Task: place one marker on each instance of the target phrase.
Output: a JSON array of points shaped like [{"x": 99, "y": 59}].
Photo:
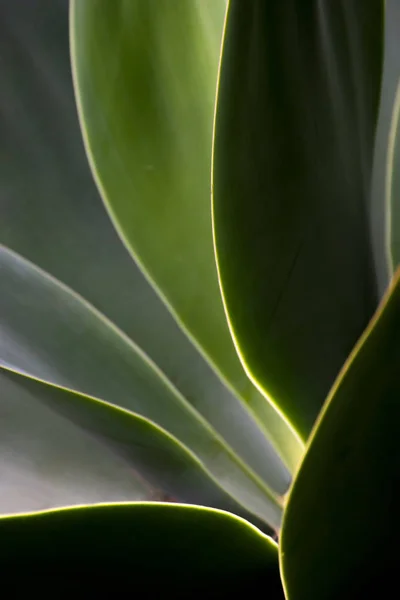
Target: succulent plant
[{"x": 200, "y": 311}]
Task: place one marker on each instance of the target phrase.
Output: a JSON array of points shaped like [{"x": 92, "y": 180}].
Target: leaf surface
[
  {"x": 385, "y": 187},
  {"x": 163, "y": 548},
  {"x": 393, "y": 186},
  {"x": 60, "y": 448},
  {"x": 295, "y": 122},
  {"x": 149, "y": 138},
  {"x": 51, "y": 213},
  {"x": 341, "y": 526},
  {"x": 52, "y": 334}
]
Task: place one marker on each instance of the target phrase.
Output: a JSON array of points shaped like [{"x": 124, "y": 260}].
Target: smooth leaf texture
[
  {"x": 48, "y": 461},
  {"x": 382, "y": 172},
  {"x": 341, "y": 527},
  {"x": 48, "y": 200},
  {"x": 297, "y": 105},
  {"x": 159, "y": 547},
  {"x": 60, "y": 448},
  {"x": 145, "y": 78},
  {"x": 53, "y": 334},
  {"x": 35, "y": 307},
  {"x": 393, "y": 186}
]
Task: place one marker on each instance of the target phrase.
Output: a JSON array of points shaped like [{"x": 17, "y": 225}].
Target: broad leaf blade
[
  {"x": 52, "y": 214},
  {"x": 164, "y": 548},
  {"x": 149, "y": 139},
  {"x": 54, "y": 335},
  {"x": 341, "y": 527},
  {"x": 297, "y": 106},
  {"x": 61, "y": 448}
]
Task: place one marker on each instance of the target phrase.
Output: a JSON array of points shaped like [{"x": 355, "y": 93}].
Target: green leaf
[
  {"x": 297, "y": 105},
  {"x": 179, "y": 547},
  {"x": 382, "y": 172},
  {"x": 145, "y": 76},
  {"x": 393, "y": 186},
  {"x": 61, "y": 448},
  {"x": 52, "y": 214},
  {"x": 341, "y": 526},
  {"x": 51, "y": 333}
]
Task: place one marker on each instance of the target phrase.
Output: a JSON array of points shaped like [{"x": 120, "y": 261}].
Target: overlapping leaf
[
  {"x": 341, "y": 527},
  {"x": 297, "y": 107},
  {"x": 60, "y": 448},
  {"x": 164, "y": 549},
  {"x": 54, "y": 335},
  {"x": 51, "y": 213},
  {"x": 145, "y": 77},
  {"x": 384, "y": 217}
]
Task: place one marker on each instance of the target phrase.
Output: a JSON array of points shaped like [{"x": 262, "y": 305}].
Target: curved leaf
[
  {"x": 59, "y": 447},
  {"x": 164, "y": 548},
  {"x": 54, "y": 335},
  {"x": 393, "y": 186},
  {"x": 341, "y": 527},
  {"x": 380, "y": 211},
  {"x": 297, "y": 105},
  {"x": 48, "y": 200},
  {"x": 149, "y": 138},
  {"x": 48, "y": 461}
]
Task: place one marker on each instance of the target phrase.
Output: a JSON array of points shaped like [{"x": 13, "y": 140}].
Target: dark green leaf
[
  {"x": 297, "y": 107},
  {"x": 145, "y": 78},
  {"x": 341, "y": 527},
  {"x": 155, "y": 548}
]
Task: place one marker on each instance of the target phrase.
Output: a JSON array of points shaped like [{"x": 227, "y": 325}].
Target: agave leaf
[
  {"x": 393, "y": 186},
  {"x": 60, "y": 448},
  {"x": 340, "y": 536},
  {"x": 48, "y": 461},
  {"x": 297, "y": 105},
  {"x": 384, "y": 215},
  {"x": 149, "y": 140},
  {"x": 53, "y": 334},
  {"x": 52, "y": 214},
  {"x": 184, "y": 548},
  {"x": 148, "y": 135}
]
